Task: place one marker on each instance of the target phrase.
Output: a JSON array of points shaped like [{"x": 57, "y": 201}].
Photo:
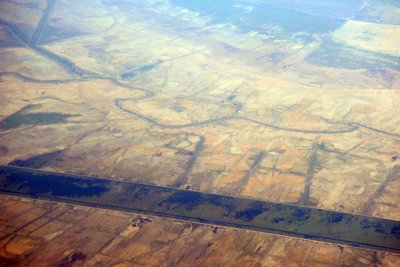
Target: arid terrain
[
  {"x": 290, "y": 102},
  {"x": 38, "y": 233}
]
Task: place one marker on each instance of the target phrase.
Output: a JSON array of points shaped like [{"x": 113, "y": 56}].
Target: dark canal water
[{"x": 291, "y": 220}]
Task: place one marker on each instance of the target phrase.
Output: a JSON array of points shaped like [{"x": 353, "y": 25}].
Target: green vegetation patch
[
  {"x": 338, "y": 55},
  {"x": 22, "y": 117},
  {"x": 291, "y": 220},
  {"x": 37, "y": 161}
]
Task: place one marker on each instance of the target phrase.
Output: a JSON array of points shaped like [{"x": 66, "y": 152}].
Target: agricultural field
[{"x": 286, "y": 102}]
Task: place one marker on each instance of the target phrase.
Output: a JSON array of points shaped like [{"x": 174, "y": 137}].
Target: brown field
[
  {"x": 154, "y": 93},
  {"x": 39, "y": 233}
]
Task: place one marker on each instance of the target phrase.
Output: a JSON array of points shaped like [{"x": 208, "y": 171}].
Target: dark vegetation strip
[
  {"x": 16, "y": 31},
  {"x": 72, "y": 68},
  {"x": 393, "y": 174},
  {"x": 66, "y": 63},
  {"x": 310, "y": 173},
  {"x": 245, "y": 180},
  {"x": 351, "y": 126},
  {"x": 37, "y": 161},
  {"x": 184, "y": 179},
  {"x": 43, "y": 20},
  {"x": 285, "y": 219}
]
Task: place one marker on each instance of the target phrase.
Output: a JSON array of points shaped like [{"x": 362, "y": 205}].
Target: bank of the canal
[{"x": 291, "y": 220}]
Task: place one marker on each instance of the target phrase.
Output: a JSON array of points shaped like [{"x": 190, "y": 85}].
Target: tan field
[
  {"x": 76, "y": 236},
  {"x": 153, "y": 92}
]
